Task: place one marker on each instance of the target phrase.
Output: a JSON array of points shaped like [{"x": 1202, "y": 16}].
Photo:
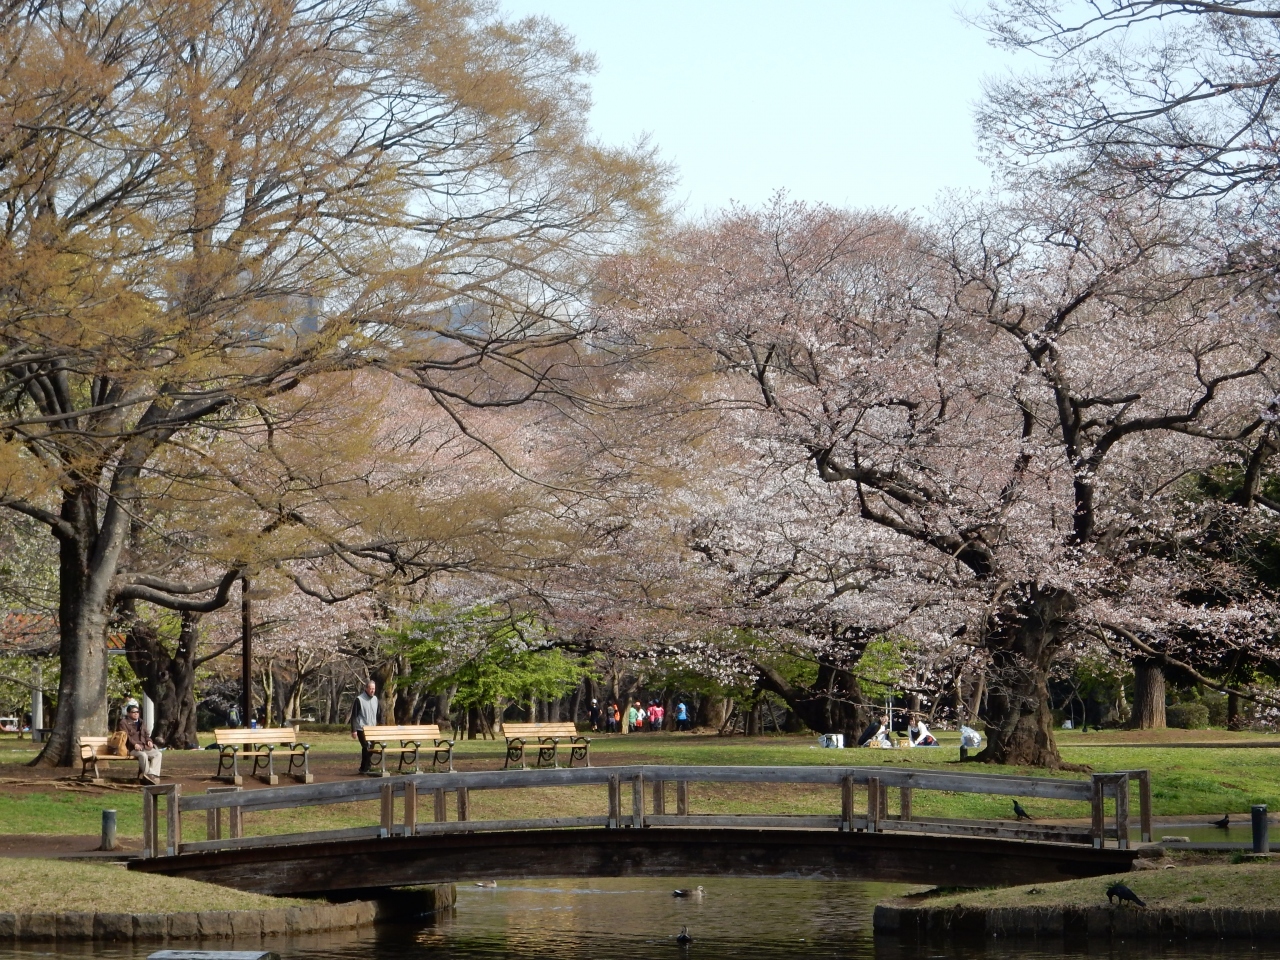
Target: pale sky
[{"x": 860, "y": 103}]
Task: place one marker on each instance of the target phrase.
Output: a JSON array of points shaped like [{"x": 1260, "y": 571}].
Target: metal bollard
[
  {"x": 108, "y": 830},
  {"x": 1260, "y": 842}
]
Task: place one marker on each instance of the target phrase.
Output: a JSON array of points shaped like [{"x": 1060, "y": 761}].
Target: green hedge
[{"x": 1188, "y": 716}]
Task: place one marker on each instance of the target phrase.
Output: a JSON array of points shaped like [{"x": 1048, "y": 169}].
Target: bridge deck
[
  {"x": 653, "y": 851},
  {"x": 415, "y": 841}
]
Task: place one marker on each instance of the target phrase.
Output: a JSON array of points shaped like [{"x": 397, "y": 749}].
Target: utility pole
[
  {"x": 246, "y": 653},
  {"x": 37, "y": 704}
]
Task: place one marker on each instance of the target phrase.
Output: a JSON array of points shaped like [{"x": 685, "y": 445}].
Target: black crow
[
  {"x": 1123, "y": 893},
  {"x": 683, "y": 937},
  {"x": 1224, "y": 823},
  {"x": 1020, "y": 813}
]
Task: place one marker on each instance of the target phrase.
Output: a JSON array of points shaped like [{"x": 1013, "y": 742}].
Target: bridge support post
[
  {"x": 388, "y": 793},
  {"x": 682, "y": 798},
  {"x": 874, "y": 795},
  {"x": 1144, "y": 801},
  {"x": 1097, "y": 802},
  {"x": 846, "y": 804},
  {"x": 1144, "y": 804},
  {"x": 410, "y": 808},
  {"x": 149, "y": 844},
  {"x": 1122, "y": 811},
  {"x": 615, "y": 801},
  {"x": 637, "y": 801},
  {"x": 214, "y": 816},
  {"x": 151, "y": 795},
  {"x": 441, "y": 812},
  {"x": 659, "y": 798},
  {"x": 464, "y": 805}
]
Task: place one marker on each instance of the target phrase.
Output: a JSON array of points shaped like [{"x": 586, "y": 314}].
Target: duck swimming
[
  {"x": 683, "y": 937},
  {"x": 694, "y": 894}
]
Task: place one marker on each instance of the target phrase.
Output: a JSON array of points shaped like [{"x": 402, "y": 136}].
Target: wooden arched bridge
[{"x": 636, "y": 833}]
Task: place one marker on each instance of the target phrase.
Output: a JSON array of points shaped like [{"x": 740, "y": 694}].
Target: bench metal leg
[
  {"x": 305, "y": 776},
  {"x": 271, "y": 778}
]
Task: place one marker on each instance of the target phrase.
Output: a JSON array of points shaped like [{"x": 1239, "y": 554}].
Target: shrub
[
  {"x": 1188, "y": 716},
  {"x": 1217, "y": 705}
]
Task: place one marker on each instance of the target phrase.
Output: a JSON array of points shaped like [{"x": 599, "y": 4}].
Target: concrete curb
[
  {"x": 187, "y": 925},
  {"x": 1072, "y": 924}
]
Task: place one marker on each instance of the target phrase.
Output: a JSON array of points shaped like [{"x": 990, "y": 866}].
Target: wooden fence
[{"x": 418, "y": 805}]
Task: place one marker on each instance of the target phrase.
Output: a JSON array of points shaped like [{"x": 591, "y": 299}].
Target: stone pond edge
[
  {"x": 188, "y": 925},
  {"x": 1075, "y": 923}
]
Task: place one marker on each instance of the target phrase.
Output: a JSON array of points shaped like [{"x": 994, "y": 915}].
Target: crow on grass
[
  {"x": 1020, "y": 813},
  {"x": 1123, "y": 894}
]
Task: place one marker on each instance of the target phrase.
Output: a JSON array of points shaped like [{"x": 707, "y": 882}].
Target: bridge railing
[{"x": 419, "y": 804}]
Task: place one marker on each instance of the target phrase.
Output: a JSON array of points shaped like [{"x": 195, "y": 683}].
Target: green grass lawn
[
  {"x": 51, "y": 886},
  {"x": 1240, "y": 885},
  {"x": 1185, "y": 781}
]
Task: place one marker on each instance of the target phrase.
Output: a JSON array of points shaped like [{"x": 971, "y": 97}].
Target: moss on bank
[{"x": 54, "y": 886}]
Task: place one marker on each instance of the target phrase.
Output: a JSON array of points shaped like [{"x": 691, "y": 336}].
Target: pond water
[
  {"x": 1200, "y": 831},
  {"x": 638, "y": 919}
]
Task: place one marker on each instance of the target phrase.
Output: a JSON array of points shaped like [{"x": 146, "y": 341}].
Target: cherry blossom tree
[
  {"x": 1008, "y": 403},
  {"x": 1175, "y": 95}
]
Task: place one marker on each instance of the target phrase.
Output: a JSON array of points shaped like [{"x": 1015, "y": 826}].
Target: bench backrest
[
  {"x": 239, "y": 735},
  {"x": 422, "y": 731},
  {"x": 539, "y": 730},
  {"x": 98, "y": 746}
]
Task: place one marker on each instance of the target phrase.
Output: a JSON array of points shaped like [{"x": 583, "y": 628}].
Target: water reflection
[{"x": 637, "y": 919}]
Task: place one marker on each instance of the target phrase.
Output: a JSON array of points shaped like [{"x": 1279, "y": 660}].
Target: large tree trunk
[
  {"x": 713, "y": 712},
  {"x": 1148, "y": 696},
  {"x": 85, "y": 568},
  {"x": 1023, "y": 641},
  {"x": 832, "y": 705},
  {"x": 575, "y": 703},
  {"x": 168, "y": 679},
  {"x": 1235, "y": 721},
  {"x": 444, "y": 709}
]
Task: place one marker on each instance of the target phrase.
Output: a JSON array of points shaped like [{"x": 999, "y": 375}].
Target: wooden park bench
[
  {"x": 548, "y": 736},
  {"x": 411, "y": 739},
  {"x": 264, "y": 744},
  {"x": 93, "y": 751}
]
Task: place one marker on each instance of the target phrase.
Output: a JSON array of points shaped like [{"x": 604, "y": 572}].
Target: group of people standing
[{"x": 609, "y": 718}]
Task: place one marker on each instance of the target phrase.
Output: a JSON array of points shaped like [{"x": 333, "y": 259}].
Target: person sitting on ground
[
  {"x": 918, "y": 734},
  {"x": 877, "y": 734},
  {"x": 139, "y": 743}
]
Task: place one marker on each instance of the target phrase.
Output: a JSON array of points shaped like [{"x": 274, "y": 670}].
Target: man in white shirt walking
[{"x": 366, "y": 711}]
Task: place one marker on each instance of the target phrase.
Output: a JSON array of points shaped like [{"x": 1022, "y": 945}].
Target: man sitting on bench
[{"x": 139, "y": 744}]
